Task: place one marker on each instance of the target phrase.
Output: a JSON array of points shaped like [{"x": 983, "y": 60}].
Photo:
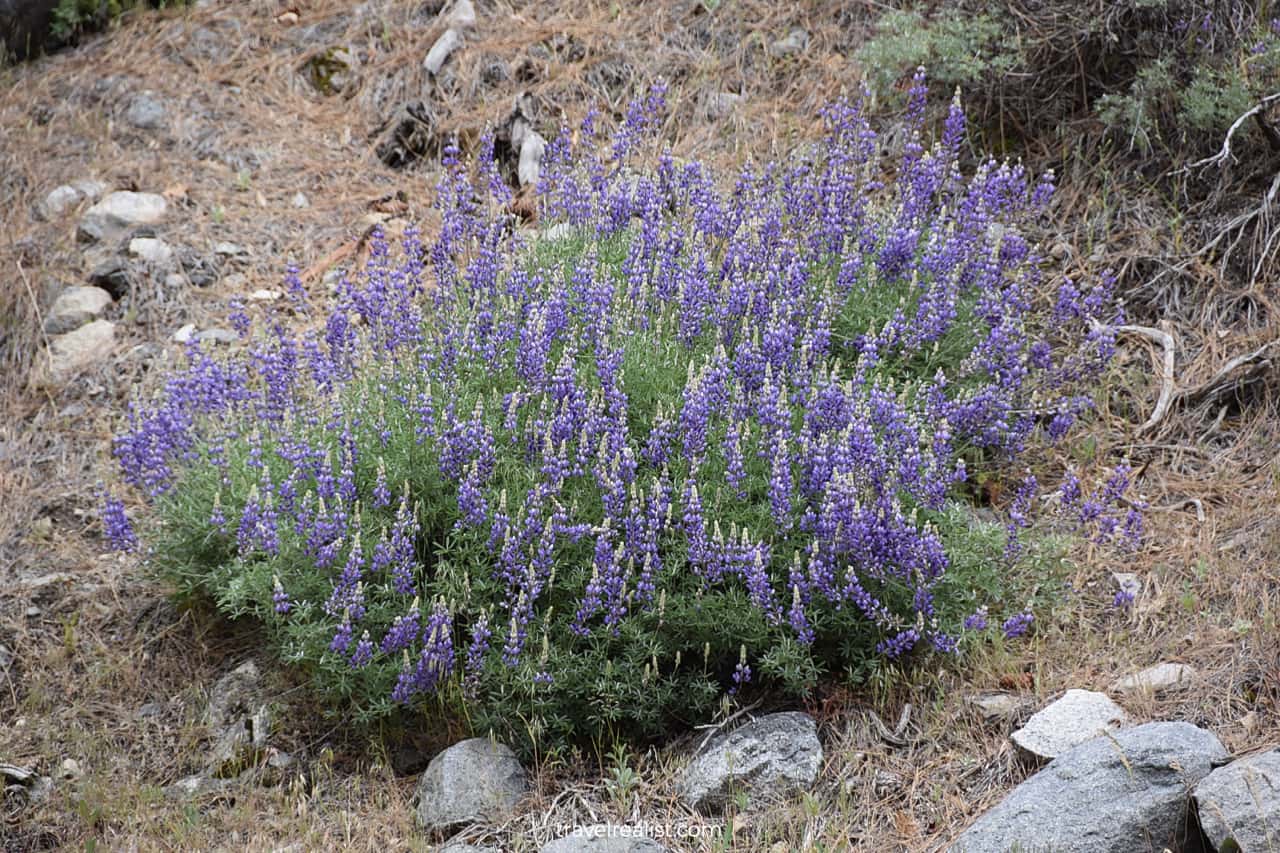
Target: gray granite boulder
[
  {"x": 1078, "y": 716},
  {"x": 1156, "y": 679},
  {"x": 1241, "y": 802},
  {"x": 241, "y": 720},
  {"x": 153, "y": 250},
  {"x": 770, "y": 757},
  {"x": 74, "y": 307},
  {"x": 605, "y": 838},
  {"x": 61, "y": 199},
  {"x": 79, "y": 349},
  {"x": 118, "y": 213},
  {"x": 1117, "y": 793},
  {"x": 470, "y": 781}
]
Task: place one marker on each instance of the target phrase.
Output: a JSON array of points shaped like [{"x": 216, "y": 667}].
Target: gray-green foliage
[
  {"x": 956, "y": 48},
  {"x": 1168, "y": 75}
]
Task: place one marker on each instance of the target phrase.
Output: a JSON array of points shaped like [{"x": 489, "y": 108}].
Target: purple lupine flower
[
  {"x": 341, "y": 637},
  {"x": 116, "y": 524},
  {"x": 977, "y": 620},
  {"x": 362, "y": 655},
  {"x": 280, "y": 598},
  {"x": 1017, "y": 625},
  {"x": 404, "y": 631},
  {"x": 381, "y": 493},
  {"x": 741, "y": 672},
  {"x": 476, "y": 651}
]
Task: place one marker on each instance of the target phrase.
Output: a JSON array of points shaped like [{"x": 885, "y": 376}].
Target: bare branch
[
  {"x": 1224, "y": 154},
  {"x": 1169, "y": 345}
]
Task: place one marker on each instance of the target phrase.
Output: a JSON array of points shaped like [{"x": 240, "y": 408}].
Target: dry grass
[{"x": 109, "y": 674}]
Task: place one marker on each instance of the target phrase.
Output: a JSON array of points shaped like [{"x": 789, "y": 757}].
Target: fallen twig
[
  {"x": 894, "y": 737},
  {"x": 715, "y": 728},
  {"x": 1169, "y": 345},
  {"x": 1237, "y": 371}
]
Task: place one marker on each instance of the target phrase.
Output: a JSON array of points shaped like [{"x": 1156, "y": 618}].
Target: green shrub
[
  {"x": 699, "y": 442},
  {"x": 1156, "y": 74}
]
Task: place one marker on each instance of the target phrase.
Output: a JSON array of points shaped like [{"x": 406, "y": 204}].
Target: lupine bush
[{"x": 689, "y": 439}]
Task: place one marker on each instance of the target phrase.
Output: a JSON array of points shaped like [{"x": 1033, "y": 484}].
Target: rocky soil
[{"x": 168, "y": 171}]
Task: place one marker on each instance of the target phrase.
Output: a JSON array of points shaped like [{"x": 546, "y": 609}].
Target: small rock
[
  {"x": 1155, "y": 679},
  {"x": 59, "y": 201},
  {"x": 448, "y": 42},
  {"x": 462, "y": 847},
  {"x": 148, "y": 710},
  {"x": 240, "y": 744},
  {"x": 1078, "y": 716},
  {"x": 532, "y": 147},
  {"x": 1241, "y": 802},
  {"x": 145, "y": 111},
  {"x": 62, "y": 199},
  {"x": 461, "y": 15},
  {"x": 1117, "y": 793},
  {"x": 559, "y": 231},
  {"x": 795, "y": 42},
  {"x": 300, "y": 201},
  {"x": 152, "y": 250},
  {"x": 90, "y": 189},
  {"x": 119, "y": 212},
  {"x": 771, "y": 756},
  {"x": 265, "y": 295},
  {"x": 229, "y": 250},
  {"x": 185, "y": 334},
  {"x": 37, "y": 584},
  {"x": 69, "y": 770},
  {"x": 74, "y": 307},
  {"x": 34, "y": 612},
  {"x": 74, "y": 351},
  {"x": 6, "y": 657},
  {"x": 198, "y": 785},
  {"x": 996, "y": 706},
  {"x": 240, "y": 718},
  {"x": 217, "y": 336},
  {"x": 475, "y": 779},
  {"x": 721, "y": 104},
  {"x": 175, "y": 281},
  {"x": 278, "y": 767},
  {"x": 605, "y": 838}
]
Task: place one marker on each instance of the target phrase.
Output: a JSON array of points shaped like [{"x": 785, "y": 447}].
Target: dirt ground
[{"x": 105, "y": 679}]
